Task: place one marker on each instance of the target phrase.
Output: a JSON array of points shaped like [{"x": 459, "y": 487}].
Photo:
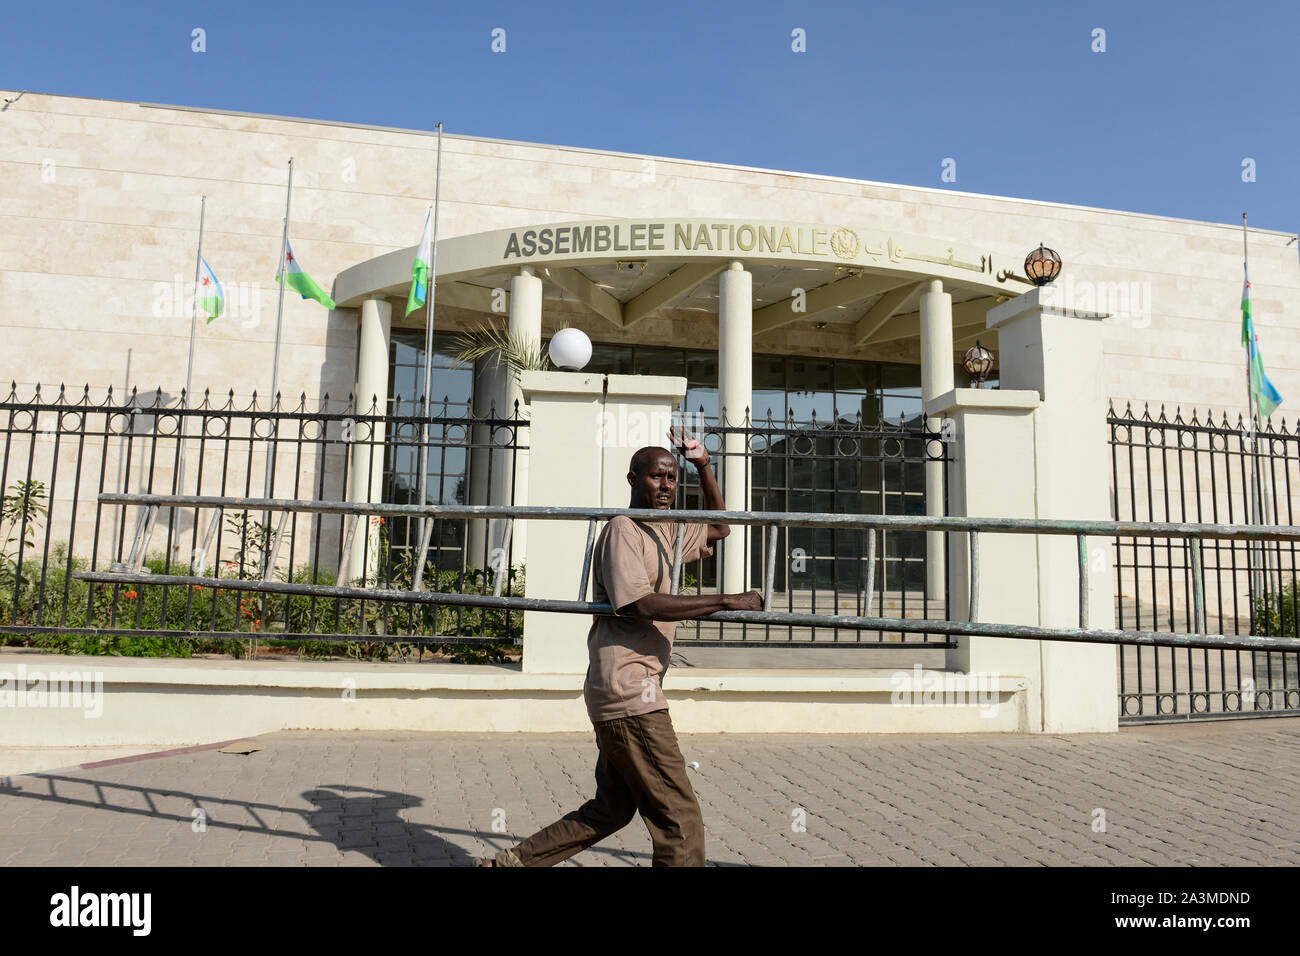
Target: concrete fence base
[{"x": 128, "y": 702}]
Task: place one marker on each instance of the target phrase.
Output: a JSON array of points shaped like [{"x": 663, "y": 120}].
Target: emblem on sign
[{"x": 844, "y": 243}]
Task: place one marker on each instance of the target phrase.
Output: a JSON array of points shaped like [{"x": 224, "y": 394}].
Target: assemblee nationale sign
[{"x": 725, "y": 238}]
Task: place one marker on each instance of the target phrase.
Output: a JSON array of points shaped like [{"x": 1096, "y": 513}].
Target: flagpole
[
  {"x": 425, "y": 524},
  {"x": 1256, "y": 583},
  {"x": 189, "y": 370},
  {"x": 198, "y": 258},
  {"x": 279, "y": 318}
]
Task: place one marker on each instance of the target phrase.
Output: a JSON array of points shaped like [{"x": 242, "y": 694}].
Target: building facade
[{"x": 101, "y": 217}]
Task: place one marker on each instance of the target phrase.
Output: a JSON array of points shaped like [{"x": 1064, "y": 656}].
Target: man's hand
[
  {"x": 689, "y": 445},
  {"x": 749, "y": 601}
]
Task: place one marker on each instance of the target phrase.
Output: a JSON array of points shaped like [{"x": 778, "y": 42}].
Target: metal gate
[
  {"x": 843, "y": 466},
  {"x": 1206, "y": 472}
]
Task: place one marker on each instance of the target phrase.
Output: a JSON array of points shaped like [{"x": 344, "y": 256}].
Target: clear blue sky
[{"x": 1159, "y": 123}]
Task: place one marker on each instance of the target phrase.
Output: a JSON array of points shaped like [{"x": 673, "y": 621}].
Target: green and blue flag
[
  {"x": 1267, "y": 398},
  {"x": 292, "y": 276},
  {"x": 420, "y": 269},
  {"x": 212, "y": 300}
]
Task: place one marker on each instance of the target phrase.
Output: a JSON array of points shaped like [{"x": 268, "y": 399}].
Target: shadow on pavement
[{"x": 359, "y": 819}]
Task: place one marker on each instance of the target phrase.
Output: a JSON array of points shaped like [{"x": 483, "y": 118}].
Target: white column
[
  {"x": 367, "y": 477},
  {"x": 936, "y": 380},
  {"x": 508, "y": 488},
  {"x": 491, "y": 389},
  {"x": 735, "y": 395},
  {"x": 495, "y": 393},
  {"x": 525, "y": 321}
]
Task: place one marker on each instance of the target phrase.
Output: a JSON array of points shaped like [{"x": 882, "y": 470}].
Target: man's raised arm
[{"x": 698, "y": 455}]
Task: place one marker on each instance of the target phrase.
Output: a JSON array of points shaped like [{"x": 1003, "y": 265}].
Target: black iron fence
[
  {"x": 60, "y": 453},
  {"x": 1206, "y": 472}
]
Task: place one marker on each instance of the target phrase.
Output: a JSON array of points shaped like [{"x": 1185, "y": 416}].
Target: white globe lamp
[{"x": 570, "y": 350}]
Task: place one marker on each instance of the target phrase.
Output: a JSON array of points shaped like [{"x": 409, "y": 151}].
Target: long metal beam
[
  {"x": 826, "y": 297},
  {"x": 882, "y": 311},
  {"x": 1141, "y": 529},
  {"x": 850, "y": 622},
  {"x": 967, "y": 336},
  {"x": 587, "y": 292},
  {"x": 679, "y": 282},
  {"x": 966, "y": 318}
]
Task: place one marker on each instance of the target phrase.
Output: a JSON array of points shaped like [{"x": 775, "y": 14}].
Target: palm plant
[{"x": 518, "y": 352}]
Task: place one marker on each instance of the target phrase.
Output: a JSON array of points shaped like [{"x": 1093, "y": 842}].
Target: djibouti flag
[
  {"x": 1267, "y": 398},
  {"x": 420, "y": 269},
  {"x": 211, "y": 299},
  {"x": 299, "y": 281}
]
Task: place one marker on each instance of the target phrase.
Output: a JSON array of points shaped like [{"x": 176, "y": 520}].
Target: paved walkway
[{"x": 1204, "y": 794}]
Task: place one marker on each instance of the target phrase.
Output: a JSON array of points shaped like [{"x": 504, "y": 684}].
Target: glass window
[
  {"x": 809, "y": 375},
  {"x": 610, "y": 359},
  {"x": 893, "y": 377},
  {"x": 450, "y": 381},
  {"x": 804, "y": 406},
  {"x": 857, "y": 377},
  {"x": 810, "y": 385},
  {"x": 904, "y": 402},
  {"x": 660, "y": 362},
  {"x": 702, "y": 368},
  {"x": 769, "y": 388},
  {"x": 702, "y": 401}
]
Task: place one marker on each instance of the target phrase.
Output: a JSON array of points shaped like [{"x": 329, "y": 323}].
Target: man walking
[{"x": 640, "y": 767}]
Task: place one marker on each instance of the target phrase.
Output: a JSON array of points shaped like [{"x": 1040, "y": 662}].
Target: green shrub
[
  {"x": 74, "y": 603},
  {"x": 1275, "y": 614}
]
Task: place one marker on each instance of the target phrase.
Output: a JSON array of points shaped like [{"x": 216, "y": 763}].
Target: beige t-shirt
[{"x": 630, "y": 655}]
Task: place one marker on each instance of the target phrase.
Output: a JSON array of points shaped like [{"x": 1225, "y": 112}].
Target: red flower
[{"x": 132, "y": 595}]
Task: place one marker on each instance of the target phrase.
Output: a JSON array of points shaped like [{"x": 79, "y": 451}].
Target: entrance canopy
[{"x": 625, "y": 269}]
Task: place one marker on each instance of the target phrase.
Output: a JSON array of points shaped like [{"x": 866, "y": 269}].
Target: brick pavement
[{"x": 1226, "y": 793}]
